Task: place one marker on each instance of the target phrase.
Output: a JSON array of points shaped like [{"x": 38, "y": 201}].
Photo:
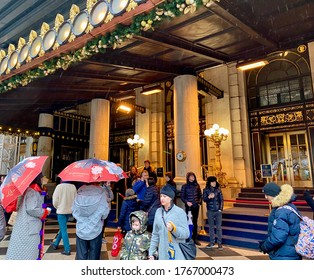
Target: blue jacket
[
  {"x": 128, "y": 206},
  {"x": 283, "y": 228},
  {"x": 90, "y": 209},
  {"x": 140, "y": 189},
  {"x": 151, "y": 203},
  {"x": 217, "y": 202}
]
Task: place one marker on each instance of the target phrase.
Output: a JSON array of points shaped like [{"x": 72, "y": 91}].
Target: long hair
[
  {"x": 188, "y": 175},
  {"x": 37, "y": 180}
]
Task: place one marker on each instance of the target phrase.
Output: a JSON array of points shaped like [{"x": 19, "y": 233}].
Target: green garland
[{"x": 142, "y": 22}]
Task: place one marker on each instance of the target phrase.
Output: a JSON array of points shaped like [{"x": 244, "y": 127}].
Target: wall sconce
[
  {"x": 24, "y": 52},
  {"x": 124, "y": 108},
  {"x": 80, "y": 23},
  {"x": 36, "y": 47},
  {"x": 64, "y": 32},
  {"x": 152, "y": 90},
  {"x": 98, "y": 13},
  {"x": 49, "y": 40},
  {"x": 118, "y": 7},
  {"x": 252, "y": 65}
]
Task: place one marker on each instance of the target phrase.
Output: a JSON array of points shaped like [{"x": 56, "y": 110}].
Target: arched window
[{"x": 286, "y": 79}]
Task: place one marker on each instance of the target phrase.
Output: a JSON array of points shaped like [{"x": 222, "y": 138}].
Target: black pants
[{"x": 195, "y": 211}]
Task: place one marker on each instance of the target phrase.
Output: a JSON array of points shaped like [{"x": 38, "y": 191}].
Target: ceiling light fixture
[
  {"x": 252, "y": 65},
  {"x": 4, "y": 65},
  {"x": 23, "y": 53},
  {"x": 152, "y": 90},
  {"x": 118, "y": 7},
  {"x": 64, "y": 32},
  {"x": 36, "y": 47},
  {"x": 80, "y": 23},
  {"x": 98, "y": 13},
  {"x": 124, "y": 108},
  {"x": 49, "y": 40}
]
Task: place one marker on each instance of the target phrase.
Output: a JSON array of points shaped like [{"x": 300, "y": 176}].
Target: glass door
[{"x": 288, "y": 154}]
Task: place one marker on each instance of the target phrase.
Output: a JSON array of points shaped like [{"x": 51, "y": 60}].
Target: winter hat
[
  {"x": 168, "y": 191},
  {"x": 271, "y": 189},
  {"x": 129, "y": 192},
  {"x": 211, "y": 179}
]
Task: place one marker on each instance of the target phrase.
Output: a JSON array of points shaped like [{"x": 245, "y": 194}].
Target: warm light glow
[
  {"x": 253, "y": 65},
  {"x": 151, "y": 90},
  {"x": 118, "y": 6},
  {"x": 124, "y": 108},
  {"x": 64, "y": 33},
  {"x": 98, "y": 13},
  {"x": 80, "y": 23},
  {"x": 49, "y": 40}
]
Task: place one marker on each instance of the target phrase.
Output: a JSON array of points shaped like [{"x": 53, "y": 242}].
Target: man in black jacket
[{"x": 213, "y": 197}]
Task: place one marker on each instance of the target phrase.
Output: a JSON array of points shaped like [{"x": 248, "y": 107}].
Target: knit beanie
[
  {"x": 168, "y": 191},
  {"x": 129, "y": 192},
  {"x": 271, "y": 189}
]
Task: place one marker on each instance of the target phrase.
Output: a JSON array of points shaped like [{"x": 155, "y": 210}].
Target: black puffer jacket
[
  {"x": 191, "y": 192},
  {"x": 217, "y": 202}
]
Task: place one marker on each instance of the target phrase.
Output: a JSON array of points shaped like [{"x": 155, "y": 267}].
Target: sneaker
[
  {"x": 55, "y": 247},
  {"x": 104, "y": 241},
  {"x": 197, "y": 242},
  {"x": 66, "y": 253},
  {"x": 220, "y": 247},
  {"x": 209, "y": 246}
]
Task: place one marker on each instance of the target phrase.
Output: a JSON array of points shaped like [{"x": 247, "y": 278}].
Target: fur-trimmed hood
[
  {"x": 285, "y": 196},
  {"x": 130, "y": 197}
]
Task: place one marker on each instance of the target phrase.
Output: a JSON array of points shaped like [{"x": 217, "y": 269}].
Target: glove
[{"x": 262, "y": 247}]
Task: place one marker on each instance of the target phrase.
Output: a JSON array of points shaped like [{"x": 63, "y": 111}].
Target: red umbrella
[
  {"x": 19, "y": 179},
  {"x": 92, "y": 170}
]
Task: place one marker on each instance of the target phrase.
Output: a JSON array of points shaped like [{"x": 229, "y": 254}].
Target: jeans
[
  {"x": 215, "y": 217},
  {"x": 88, "y": 249},
  {"x": 63, "y": 232}
]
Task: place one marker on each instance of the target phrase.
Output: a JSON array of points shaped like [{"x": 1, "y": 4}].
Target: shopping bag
[{"x": 116, "y": 245}]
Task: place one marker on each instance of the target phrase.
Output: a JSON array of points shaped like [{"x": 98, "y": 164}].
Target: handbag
[{"x": 187, "y": 248}]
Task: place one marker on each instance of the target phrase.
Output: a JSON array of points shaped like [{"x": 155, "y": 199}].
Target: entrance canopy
[{"x": 148, "y": 43}]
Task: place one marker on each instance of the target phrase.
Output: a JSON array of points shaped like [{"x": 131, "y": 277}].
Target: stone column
[
  {"x": 99, "y": 129},
  {"x": 45, "y": 126},
  {"x": 186, "y": 126},
  {"x": 186, "y": 133}
]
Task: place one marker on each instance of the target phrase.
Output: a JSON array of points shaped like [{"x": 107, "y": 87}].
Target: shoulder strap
[{"x": 291, "y": 209}]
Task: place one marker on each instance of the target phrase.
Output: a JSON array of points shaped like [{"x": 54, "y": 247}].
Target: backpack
[
  {"x": 305, "y": 244},
  {"x": 3, "y": 225}
]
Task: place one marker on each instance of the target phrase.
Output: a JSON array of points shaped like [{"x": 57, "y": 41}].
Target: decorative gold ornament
[
  {"x": 58, "y": 21},
  {"x": 301, "y": 48},
  {"x": 11, "y": 49},
  {"x": 32, "y": 36},
  {"x": 21, "y": 43},
  {"x": 44, "y": 29},
  {"x": 90, "y": 4},
  {"x": 75, "y": 10},
  {"x": 2, "y": 54}
]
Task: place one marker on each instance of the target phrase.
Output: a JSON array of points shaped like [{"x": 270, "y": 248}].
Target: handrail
[{"x": 303, "y": 202}]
